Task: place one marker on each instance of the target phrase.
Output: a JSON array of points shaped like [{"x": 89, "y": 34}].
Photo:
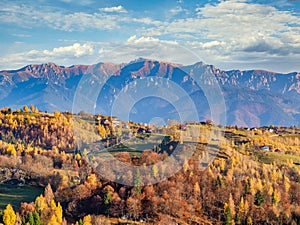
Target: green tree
[
  {"x": 238, "y": 219},
  {"x": 36, "y": 217},
  {"x": 107, "y": 197},
  {"x": 247, "y": 187},
  {"x": 219, "y": 181},
  {"x": 23, "y": 220},
  {"x": 275, "y": 197},
  {"x": 137, "y": 183},
  {"x": 30, "y": 218},
  {"x": 107, "y": 200},
  {"x": 258, "y": 198},
  {"x": 227, "y": 214},
  {"x": 9, "y": 216}
]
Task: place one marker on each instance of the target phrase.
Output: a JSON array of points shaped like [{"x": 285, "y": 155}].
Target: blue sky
[{"x": 231, "y": 34}]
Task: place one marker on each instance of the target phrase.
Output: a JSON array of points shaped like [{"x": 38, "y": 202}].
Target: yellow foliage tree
[
  {"x": 87, "y": 220},
  {"x": 56, "y": 114},
  {"x": 231, "y": 205},
  {"x": 53, "y": 205},
  {"x": 246, "y": 206},
  {"x": 270, "y": 190},
  {"x": 274, "y": 176},
  {"x": 286, "y": 183},
  {"x": 9, "y": 216},
  {"x": 25, "y": 108},
  {"x": 40, "y": 201},
  {"x": 11, "y": 149},
  {"x": 222, "y": 164},
  {"x": 197, "y": 188},
  {"x": 185, "y": 165},
  {"x": 92, "y": 179},
  {"x": 275, "y": 197},
  {"x": 78, "y": 157},
  {"x": 249, "y": 221},
  {"x": 258, "y": 184},
  {"x": 155, "y": 170},
  {"x": 59, "y": 213},
  {"x": 101, "y": 131},
  {"x": 53, "y": 221},
  {"x": 32, "y": 109},
  {"x": 242, "y": 205}
]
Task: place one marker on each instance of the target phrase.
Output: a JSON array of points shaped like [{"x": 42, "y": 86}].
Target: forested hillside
[{"x": 244, "y": 184}]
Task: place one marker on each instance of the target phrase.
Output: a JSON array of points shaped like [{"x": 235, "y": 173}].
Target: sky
[{"x": 230, "y": 34}]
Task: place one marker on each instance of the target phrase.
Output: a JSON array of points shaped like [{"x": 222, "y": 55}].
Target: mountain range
[{"x": 252, "y": 97}]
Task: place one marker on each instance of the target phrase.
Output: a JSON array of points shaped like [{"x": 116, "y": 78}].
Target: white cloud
[
  {"x": 144, "y": 40},
  {"x": 153, "y": 48},
  {"x": 187, "y": 36},
  {"x": 145, "y": 20},
  {"x": 147, "y": 47},
  {"x": 89, "y": 53},
  {"x": 82, "y": 21},
  {"x": 176, "y": 10},
  {"x": 119, "y": 9},
  {"x": 76, "y": 50},
  {"x": 29, "y": 16},
  {"x": 82, "y": 2},
  {"x": 212, "y": 44},
  {"x": 234, "y": 29},
  {"x": 22, "y": 35},
  {"x": 227, "y": 32},
  {"x": 66, "y": 55}
]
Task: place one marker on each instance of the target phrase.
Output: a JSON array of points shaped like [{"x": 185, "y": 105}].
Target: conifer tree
[
  {"x": 228, "y": 215},
  {"x": 30, "y": 218},
  {"x": 138, "y": 183},
  {"x": 107, "y": 199},
  {"x": 219, "y": 181},
  {"x": 258, "y": 198},
  {"x": 36, "y": 217}
]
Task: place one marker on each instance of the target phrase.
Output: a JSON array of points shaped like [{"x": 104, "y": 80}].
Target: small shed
[{"x": 265, "y": 148}]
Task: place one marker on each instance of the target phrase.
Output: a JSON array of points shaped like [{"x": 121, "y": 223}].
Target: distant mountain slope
[{"x": 252, "y": 98}]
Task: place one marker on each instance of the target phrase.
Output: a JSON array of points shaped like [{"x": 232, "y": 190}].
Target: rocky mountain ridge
[{"x": 253, "y": 97}]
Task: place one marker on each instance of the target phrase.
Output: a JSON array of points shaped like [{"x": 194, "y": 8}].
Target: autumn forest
[{"x": 234, "y": 175}]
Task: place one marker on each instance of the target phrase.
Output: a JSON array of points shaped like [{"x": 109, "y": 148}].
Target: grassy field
[
  {"x": 270, "y": 157},
  {"x": 134, "y": 146},
  {"x": 15, "y": 194}
]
